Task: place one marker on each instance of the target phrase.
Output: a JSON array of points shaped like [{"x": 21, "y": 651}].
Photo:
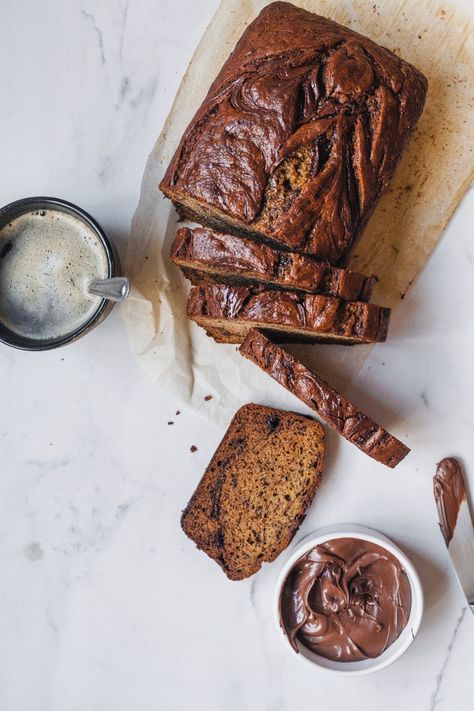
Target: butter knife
[{"x": 456, "y": 523}]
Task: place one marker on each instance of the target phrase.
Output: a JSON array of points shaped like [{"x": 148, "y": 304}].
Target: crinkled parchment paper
[{"x": 435, "y": 172}]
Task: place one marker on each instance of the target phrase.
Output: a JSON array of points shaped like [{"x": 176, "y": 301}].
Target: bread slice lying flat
[
  {"x": 229, "y": 312},
  {"x": 206, "y": 256},
  {"x": 331, "y": 407},
  {"x": 255, "y": 492}
]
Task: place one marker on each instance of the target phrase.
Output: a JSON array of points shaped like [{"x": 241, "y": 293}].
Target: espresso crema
[{"x": 47, "y": 260}]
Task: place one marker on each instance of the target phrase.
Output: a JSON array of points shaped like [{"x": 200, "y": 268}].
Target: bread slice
[
  {"x": 255, "y": 492},
  {"x": 332, "y": 408},
  {"x": 229, "y": 312},
  {"x": 206, "y": 256}
]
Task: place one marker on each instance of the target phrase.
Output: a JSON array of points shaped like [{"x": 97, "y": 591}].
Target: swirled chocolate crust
[
  {"x": 449, "y": 493},
  {"x": 255, "y": 492},
  {"x": 298, "y": 136},
  {"x": 229, "y": 312},
  {"x": 206, "y": 256},
  {"x": 346, "y": 599},
  {"x": 333, "y": 409}
]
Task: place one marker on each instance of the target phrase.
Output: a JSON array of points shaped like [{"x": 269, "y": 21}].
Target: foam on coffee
[{"x": 47, "y": 260}]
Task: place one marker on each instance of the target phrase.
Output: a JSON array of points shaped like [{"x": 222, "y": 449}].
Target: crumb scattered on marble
[
  {"x": 208, "y": 397},
  {"x": 193, "y": 448},
  {"x": 178, "y": 412},
  {"x": 171, "y": 422}
]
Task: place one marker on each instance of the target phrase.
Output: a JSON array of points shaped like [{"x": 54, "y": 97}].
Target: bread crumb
[
  {"x": 171, "y": 422},
  {"x": 208, "y": 397},
  {"x": 178, "y": 412},
  {"x": 193, "y": 448}
]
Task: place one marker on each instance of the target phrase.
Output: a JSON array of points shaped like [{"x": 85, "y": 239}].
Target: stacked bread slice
[
  {"x": 249, "y": 293},
  {"x": 210, "y": 257},
  {"x": 241, "y": 284}
]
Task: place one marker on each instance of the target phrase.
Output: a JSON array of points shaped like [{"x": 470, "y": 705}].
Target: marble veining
[
  {"x": 123, "y": 26},
  {"x": 105, "y": 603},
  {"x": 435, "y": 696},
  {"x": 90, "y": 18}
]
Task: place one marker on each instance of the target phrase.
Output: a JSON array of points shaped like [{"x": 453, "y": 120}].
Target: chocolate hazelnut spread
[
  {"x": 346, "y": 600},
  {"x": 449, "y": 493}
]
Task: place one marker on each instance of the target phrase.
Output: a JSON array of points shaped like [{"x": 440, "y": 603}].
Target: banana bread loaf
[
  {"x": 331, "y": 407},
  {"x": 229, "y": 312},
  {"x": 206, "y": 256},
  {"x": 298, "y": 136}
]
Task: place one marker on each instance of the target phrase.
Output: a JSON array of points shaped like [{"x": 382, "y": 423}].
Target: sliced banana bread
[
  {"x": 331, "y": 407},
  {"x": 207, "y": 256},
  {"x": 229, "y": 312},
  {"x": 299, "y": 134},
  {"x": 255, "y": 492}
]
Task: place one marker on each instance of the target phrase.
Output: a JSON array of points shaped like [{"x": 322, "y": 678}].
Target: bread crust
[
  {"x": 333, "y": 409},
  {"x": 208, "y": 256},
  {"x": 299, "y": 134},
  {"x": 234, "y": 310}
]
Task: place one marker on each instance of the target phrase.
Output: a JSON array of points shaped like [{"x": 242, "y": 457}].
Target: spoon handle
[{"x": 115, "y": 289}]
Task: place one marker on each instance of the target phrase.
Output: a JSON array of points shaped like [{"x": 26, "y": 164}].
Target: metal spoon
[{"x": 114, "y": 289}]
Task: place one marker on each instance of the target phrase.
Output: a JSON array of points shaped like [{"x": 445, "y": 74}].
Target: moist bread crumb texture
[{"x": 255, "y": 492}]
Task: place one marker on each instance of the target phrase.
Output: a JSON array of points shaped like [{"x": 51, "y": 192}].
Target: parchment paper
[{"x": 434, "y": 174}]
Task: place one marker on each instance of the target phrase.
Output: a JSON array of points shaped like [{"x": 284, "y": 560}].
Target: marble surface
[{"x": 105, "y": 605}]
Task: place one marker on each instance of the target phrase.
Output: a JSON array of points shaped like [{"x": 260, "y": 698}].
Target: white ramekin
[{"x": 395, "y": 650}]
